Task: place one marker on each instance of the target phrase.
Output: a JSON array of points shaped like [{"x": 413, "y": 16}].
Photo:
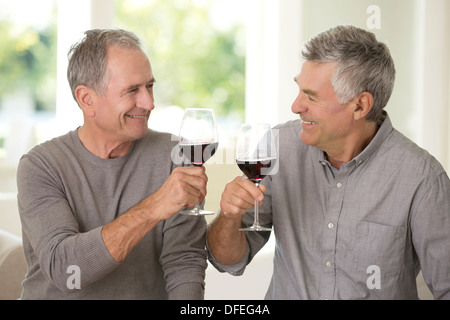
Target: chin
[
  {"x": 305, "y": 139},
  {"x": 136, "y": 135},
  {"x": 142, "y": 134}
]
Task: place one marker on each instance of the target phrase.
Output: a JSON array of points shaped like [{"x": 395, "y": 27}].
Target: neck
[
  {"x": 353, "y": 146},
  {"x": 100, "y": 146}
]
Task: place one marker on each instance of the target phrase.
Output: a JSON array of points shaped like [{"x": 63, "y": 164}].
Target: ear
[
  {"x": 364, "y": 103},
  {"x": 85, "y": 99}
]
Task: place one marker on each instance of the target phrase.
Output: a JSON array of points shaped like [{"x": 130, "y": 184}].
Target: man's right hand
[
  {"x": 239, "y": 196},
  {"x": 226, "y": 242},
  {"x": 185, "y": 187}
]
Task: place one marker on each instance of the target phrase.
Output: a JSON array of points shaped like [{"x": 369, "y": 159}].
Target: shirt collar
[{"x": 385, "y": 128}]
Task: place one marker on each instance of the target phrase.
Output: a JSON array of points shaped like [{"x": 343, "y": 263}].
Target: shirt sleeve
[
  {"x": 55, "y": 241},
  {"x": 255, "y": 240},
  {"x": 431, "y": 236},
  {"x": 236, "y": 269}
]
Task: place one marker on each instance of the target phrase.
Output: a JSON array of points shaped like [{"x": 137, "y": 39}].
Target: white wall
[
  {"x": 274, "y": 41},
  {"x": 434, "y": 78}
]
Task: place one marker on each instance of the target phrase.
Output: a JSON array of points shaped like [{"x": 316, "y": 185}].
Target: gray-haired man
[
  {"x": 357, "y": 209},
  {"x": 99, "y": 204}
]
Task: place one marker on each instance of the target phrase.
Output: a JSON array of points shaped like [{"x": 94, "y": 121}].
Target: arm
[
  {"x": 183, "y": 257},
  {"x": 52, "y": 236},
  {"x": 431, "y": 236},
  {"x": 226, "y": 243},
  {"x": 184, "y": 188}
]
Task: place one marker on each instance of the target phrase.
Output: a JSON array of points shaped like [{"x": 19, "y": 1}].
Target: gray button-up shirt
[{"x": 361, "y": 232}]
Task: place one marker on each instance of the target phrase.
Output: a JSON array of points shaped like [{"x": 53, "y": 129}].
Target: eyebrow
[
  {"x": 134, "y": 86},
  {"x": 309, "y": 92}
]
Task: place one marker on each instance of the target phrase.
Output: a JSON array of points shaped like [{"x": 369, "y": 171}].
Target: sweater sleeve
[
  {"x": 56, "y": 244},
  {"x": 183, "y": 256}
]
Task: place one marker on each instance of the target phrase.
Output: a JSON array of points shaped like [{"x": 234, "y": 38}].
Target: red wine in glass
[
  {"x": 256, "y": 157},
  {"x": 198, "y": 141},
  {"x": 257, "y": 169},
  {"x": 199, "y": 153}
]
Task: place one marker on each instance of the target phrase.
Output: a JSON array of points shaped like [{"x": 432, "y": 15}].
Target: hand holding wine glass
[
  {"x": 198, "y": 141},
  {"x": 256, "y": 157}
]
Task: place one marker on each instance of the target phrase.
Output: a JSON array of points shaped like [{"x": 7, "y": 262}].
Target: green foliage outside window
[
  {"x": 28, "y": 62},
  {"x": 195, "y": 64}
]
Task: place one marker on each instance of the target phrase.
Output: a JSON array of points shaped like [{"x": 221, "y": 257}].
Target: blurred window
[
  {"x": 28, "y": 31},
  {"x": 197, "y": 51}
]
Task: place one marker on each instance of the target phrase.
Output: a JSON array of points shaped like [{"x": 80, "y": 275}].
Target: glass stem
[{"x": 256, "y": 221}]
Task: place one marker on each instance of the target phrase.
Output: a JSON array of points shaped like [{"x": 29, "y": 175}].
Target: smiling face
[
  {"x": 122, "y": 113},
  {"x": 326, "y": 123}
]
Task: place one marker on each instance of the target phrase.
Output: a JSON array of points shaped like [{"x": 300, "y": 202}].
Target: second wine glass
[
  {"x": 256, "y": 157},
  {"x": 198, "y": 141}
]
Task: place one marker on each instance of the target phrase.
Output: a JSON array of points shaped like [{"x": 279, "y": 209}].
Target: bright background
[{"x": 236, "y": 56}]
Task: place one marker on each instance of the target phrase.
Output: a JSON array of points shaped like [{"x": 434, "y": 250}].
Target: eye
[{"x": 310, "y": 98}]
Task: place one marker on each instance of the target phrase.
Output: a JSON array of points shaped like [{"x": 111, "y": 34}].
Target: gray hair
[
  {"x": 363, "y": 65},
  {"x": 88, "y": 57}
]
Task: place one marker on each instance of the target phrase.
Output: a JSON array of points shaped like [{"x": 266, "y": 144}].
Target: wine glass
[
  {"x": 256, "y": 157},
  {"x": 198, "y": 141}
]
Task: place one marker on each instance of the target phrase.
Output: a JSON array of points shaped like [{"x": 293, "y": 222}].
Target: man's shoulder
[
  {"x": 288, "y": 134},
  {"x": 410, "y": 154},
  {"x": 160, "y": 138},
  {"x": 289, "y": 125},
  {"x": 53, "y": 146}
]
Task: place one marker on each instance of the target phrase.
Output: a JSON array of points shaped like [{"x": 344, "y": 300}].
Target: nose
[
  {"x": 145, "y": 99},
  {"x": 299, "y": 105}
]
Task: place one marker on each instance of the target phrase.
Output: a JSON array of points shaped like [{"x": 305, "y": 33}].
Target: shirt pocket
[{"x": 379, "y": 245}]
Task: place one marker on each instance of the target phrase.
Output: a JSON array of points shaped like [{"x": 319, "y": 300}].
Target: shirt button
[
  {"x": 330, "y": 225},
  {"x": 339, "y": 185},
  {"x": 328, "y": 263}
]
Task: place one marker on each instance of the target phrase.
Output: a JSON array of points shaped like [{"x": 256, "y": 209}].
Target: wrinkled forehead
[{"x": 128, "y": 66}]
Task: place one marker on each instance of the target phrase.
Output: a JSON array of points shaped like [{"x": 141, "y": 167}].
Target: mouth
[
  {"x": 134, "y": 116},
  {"x": 309, "y": 122}
]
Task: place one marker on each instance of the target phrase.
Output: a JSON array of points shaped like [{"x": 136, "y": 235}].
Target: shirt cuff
[{"x": 236, "y": 269}]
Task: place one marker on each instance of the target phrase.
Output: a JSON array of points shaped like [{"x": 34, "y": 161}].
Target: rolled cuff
[{"x": 236, "y": 269}]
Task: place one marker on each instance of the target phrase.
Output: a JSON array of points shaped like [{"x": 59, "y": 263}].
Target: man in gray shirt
[
  {"x": 99, "y": 205},
  {"x": 357, "y": 208}
]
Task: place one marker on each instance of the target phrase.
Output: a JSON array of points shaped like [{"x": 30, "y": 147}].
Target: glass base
[
  {"x": 196, "y": 212},
  {"x": 255, "y": 228}
]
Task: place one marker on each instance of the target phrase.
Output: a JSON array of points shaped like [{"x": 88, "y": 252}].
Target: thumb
[{"x": 262, "y": 188}]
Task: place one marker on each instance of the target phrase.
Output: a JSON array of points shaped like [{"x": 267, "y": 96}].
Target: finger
[
  {"x": 193, "y": 171},
  {"x": 236, "y": 202},
  {"x": 236, "y": 199},
  {"x": 198, "y": 183},
  {"x": 186, "y": 194},
  {"x": 195, "y": 176},
  {"x": 262, "y": 187},
  {"x": 257, "y": 193}
]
